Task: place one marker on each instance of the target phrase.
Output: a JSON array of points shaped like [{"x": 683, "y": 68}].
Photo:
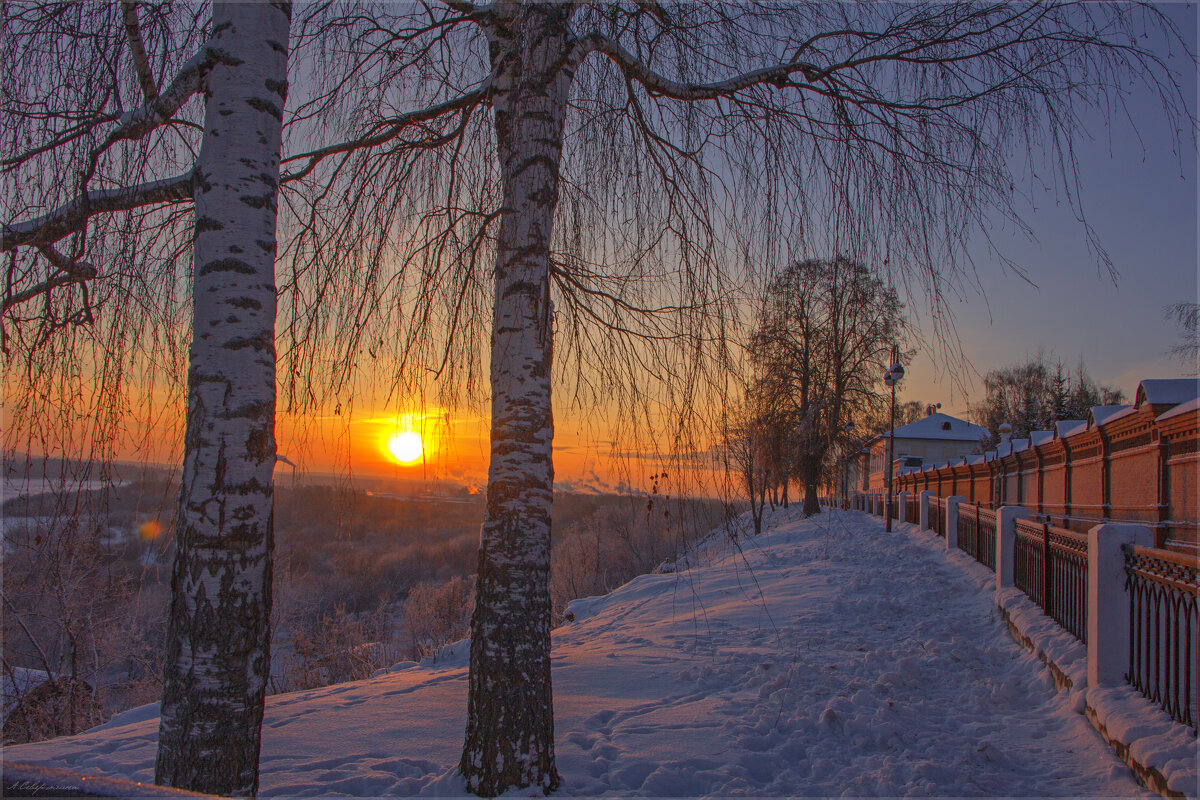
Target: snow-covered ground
[{"x": 824, "y": 657}]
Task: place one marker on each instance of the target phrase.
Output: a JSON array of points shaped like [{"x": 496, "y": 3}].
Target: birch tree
[
  {"x": 218, "y": 660},
  {"x": 605, "y": 174},
  {"x": 218, "y": 657}
]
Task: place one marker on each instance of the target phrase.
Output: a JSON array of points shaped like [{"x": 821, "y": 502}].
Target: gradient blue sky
[{"x": 1139, "y": 191}]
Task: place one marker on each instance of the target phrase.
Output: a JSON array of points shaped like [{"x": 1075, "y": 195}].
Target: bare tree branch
[
  {"x": 190, "y": 79},
  {"x": 70, "y": 216},
  {"x": 385, "y": 131},
  {"x": 72, "y": 272},
  {"x": 137, "y": 49},
  {"x": 777, "y": 75}
]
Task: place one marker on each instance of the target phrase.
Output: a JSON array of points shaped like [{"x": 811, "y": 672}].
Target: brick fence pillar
[
  {"x": 905, "y": 499},
  {"x": 952, "y": 521},
  {"x": 1006, "y": 537},
  {"x": 1108, "y": 602}
]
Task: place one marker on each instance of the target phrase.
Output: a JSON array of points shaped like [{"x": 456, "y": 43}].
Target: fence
[
  {"x": 937, "y": 515},
  {"x": 1163, "y": 589},
  {"x": 1050, "y": 566},
  {"x": 1138, "y": 464},
  {"x": 977, "y": 534}
]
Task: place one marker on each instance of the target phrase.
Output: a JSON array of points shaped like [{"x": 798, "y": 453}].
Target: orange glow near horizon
[{"x": 414, "y": 442}]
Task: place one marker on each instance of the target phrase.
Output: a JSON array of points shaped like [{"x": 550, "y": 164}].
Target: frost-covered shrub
[
  {"x": 437, "y": 613},
  {"x": 340, "y": 646}
]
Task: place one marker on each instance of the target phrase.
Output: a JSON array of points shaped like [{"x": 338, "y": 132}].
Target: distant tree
[
  {"x": 822, "y": 343},
  {"x": 1187, "y": 349},
  {"x": 876, "y": 418},
  {"x": 745, "y": 451},
  {"x": 436, "y": 614},
  {"x": 59, "y": 622},
  {"x": 1033, "y": 395}
]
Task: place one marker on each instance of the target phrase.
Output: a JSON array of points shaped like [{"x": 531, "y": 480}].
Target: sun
[{"x": 406, "y": 447}]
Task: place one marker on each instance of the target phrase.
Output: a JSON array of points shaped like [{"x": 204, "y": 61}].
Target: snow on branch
[
  {"x": 71, "y": 216},
  {"x": 190, "y": 79},
  {"x": 137, "y": 122},
  {"x": 137, "y": 49},
  {"x": 461, "y": 6}
]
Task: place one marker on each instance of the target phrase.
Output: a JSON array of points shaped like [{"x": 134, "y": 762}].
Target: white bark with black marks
[
  {"x": 218, "y": 658},
  {"x": 510, "y": 727}
]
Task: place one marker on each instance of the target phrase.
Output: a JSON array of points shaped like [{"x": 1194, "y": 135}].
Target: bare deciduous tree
[
  {"x": 604, "y": 174},
  {"x": 1187, "y": 317},
  {"x": 218, "y": 644},
  {"x": 821, "y": 344},
  {"x": 608, "y": 168},
  {"x": 1033, "y": 395}
]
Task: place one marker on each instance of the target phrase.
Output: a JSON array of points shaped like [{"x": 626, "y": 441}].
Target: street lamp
[
  {"x": 893, "y": 376},
  {"x": 846, "y": 456}
]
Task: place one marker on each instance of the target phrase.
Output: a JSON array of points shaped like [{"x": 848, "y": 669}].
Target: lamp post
[
  {"x": 891, "y": 378},
  {"x": 848, "y": 429}
]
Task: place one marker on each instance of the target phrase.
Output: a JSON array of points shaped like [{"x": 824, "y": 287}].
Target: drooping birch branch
[
  {"x": 70, "y": 271},
  {"x": 138, "y": 122},
  {"x": 385, "y": 131},
  {"x": 777, "y": 75}
]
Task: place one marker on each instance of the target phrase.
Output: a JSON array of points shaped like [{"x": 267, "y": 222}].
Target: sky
[{"x": 1139, "y": 192}]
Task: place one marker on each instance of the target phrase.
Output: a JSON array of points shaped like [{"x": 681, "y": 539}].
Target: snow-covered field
[{"x": 823, "y": 658}]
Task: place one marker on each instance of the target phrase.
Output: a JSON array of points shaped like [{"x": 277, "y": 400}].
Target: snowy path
[{"x": 827, "y": 658}]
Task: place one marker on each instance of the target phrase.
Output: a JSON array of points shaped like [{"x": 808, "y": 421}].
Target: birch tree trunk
[
  {"x": 510, "y": 717},
  {"x": 218, "y": 658}
]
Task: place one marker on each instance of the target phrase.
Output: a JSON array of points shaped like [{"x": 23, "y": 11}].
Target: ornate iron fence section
[
  {"x": 977, "y": 533},
  {"x": 1028, "y": 562},
  {"x": 968, "y": 530},
  {"x": 1164, "y": 588},
  {"x": 937, "y": 515},
  {"x": 1050, "y": 567},
  {"x": 985, "y": 524},
  {"x": 1065, "y": 555}
]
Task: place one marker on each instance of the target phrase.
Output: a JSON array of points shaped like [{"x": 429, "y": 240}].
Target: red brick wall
[
  {"x": 1180, "y": 437},
  {"x": 1133, "y": 469}
]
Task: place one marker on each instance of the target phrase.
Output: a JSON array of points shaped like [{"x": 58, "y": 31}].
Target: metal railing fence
[
  {"x": 1050, "y": 567},
  {"x": 1164, "y": 588},
  {"x": 977, "y": 533}
]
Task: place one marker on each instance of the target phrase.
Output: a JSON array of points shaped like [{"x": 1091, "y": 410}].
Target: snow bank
[
  {"x": 821, "y": 658},
  {"x": 1162, "y": 752},
  {"x": 1065, "y": 655}
]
